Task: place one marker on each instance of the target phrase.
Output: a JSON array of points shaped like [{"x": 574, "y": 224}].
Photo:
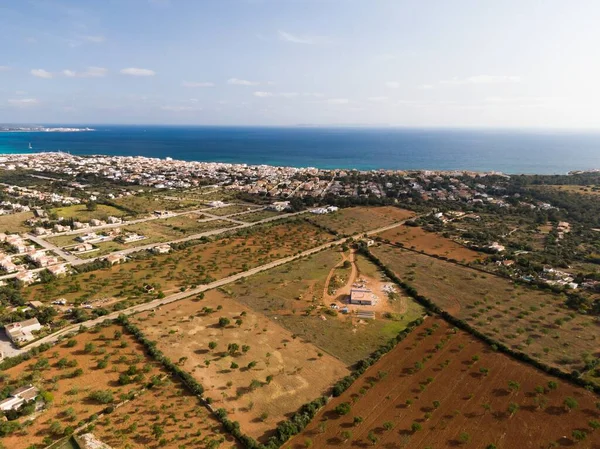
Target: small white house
[{"x": 23, "y": 330}]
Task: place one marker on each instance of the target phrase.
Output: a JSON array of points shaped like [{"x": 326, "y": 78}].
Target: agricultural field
[
  {"x": 268, "y": 375},
  {"x": 258, "y": 216},
  {"x": 197, "y": 264},
  {"x": 166, "y": 416},
  {"x": 441, "y": 388},
  {"x": 430, "y": 243},
  {"x": 80, "y": 212},
  {"x": 231, "y": 209},
  {"x": 80, "y": 377},
  {"x": 13, "y": 223},
  {"x": 592, "y": 190},
  {"x": 533, "y": 321},
  {"x": 296, "y": 296},
  {"x": 355, "y": 220},
  {"x": 146, "y": 204},
  {"x": 155, "y": 231}
]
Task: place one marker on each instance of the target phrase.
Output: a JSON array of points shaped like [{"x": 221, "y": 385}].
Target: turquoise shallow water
[{"x": 360, "y": 148}]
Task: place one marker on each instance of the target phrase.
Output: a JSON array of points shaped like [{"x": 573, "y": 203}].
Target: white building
[
  {"x": 19, "y": 397},
  {"x": 22, "y": 331}
]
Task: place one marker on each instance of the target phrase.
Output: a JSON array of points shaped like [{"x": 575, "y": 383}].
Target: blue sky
[{"x": 453, "y": 63}]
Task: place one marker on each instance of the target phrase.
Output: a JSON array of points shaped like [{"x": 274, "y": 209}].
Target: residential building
[
  {"x": 22, "y": 331},
  {"x": 361, "y": 297}
]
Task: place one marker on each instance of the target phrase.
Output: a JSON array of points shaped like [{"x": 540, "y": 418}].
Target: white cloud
[
  {"x": 338, "y": 101},
  {"x": 133, "y": 71},
  {"x": 313, "y": 94},
  {"x": 239, "y": 82},
  {"x": 380, "y": 99},
  {"x": 4, "y": 68},
  {"x": 197, "y": 84},
  {"x": 91, "y": 72},
  {"x": 426, "y": 86},
  {"x": 160, "y": 3},
  {"x": 393, "y": 84},
  {"x": 180, "y": 108},
  {"x": 23, "y": 102},
  {"x": 94, "y": 39},
  {"x": 484, "y": 79},
  {"x": 41, "y": 73},
  {"x": 263, "y": 94},
  {"x": 302, "y": 39}
]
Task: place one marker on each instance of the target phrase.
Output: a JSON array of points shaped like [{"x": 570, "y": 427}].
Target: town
[{"x": 127, "y": 281}]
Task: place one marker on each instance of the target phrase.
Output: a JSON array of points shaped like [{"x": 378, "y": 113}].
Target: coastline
[{"x": 518, "y": 152}]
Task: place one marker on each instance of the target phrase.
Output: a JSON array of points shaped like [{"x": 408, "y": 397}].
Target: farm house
[{"x": 361, "y": 297}]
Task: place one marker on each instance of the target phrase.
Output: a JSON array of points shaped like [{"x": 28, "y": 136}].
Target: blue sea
[{"x": 507, "y": 151}]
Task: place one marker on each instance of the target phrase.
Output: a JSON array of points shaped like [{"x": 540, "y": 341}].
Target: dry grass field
[
  {"x": 257, "y": 216},
  {"x": 430, "y": 243},
  {"x": 533, "y": 321},
  {"x": 293, "y": 295},
  {"x": 355, "y": 220},
  {"x": 70, "y": 374},
  {"x": 270, "y": 374},
  {"x": 592, "y": 190},
  {"x": 12, "y": 223},
  {"x": 441, "y": 388},
  {"x": 146, "y": 204},
  {"x": 232, "y": 209},
  {"x": 165, "y": 416},
  {"x": 79, "y": 212}
]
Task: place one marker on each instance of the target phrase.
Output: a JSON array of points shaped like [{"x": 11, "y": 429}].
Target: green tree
[
  {"x": 157, "y": 431},
  {"x": 570, "y": 403},
  {"x": 415, "y": 427},
  {"x": 343, "y": 408},
  {"x": 212, "y": 345},
  {"x": 224, "y": 322}
]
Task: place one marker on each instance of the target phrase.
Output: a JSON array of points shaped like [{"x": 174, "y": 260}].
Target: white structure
[
  {"x": 19, "y": 397},
  {"x": 162, "y": 249},
  {"x": 22, "y": 331},
  {"x": 279, "y": 206}
]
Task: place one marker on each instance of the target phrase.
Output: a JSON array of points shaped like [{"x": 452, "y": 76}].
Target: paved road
[
  {"x": 131, "y": 222},
  {"x": 181, "y": 295},
  {"x": 74, "y": 260},
  {"x": 243, "y": 225},
  {"x": 49, "y": 246}
]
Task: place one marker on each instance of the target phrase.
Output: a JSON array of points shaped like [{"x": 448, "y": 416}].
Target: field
[
  {"x": 145, "y": 204},
  {"x": 229, "y": 210},
  {"x": 441, "y": 388},
  {"x": 430, "y": 243},
  {"x": 194, "y": 265},
  {"x": 592, "y": 190},
  {"x": 257, "y": 216},
  {"x": 15, "y": 222},
  {"x": 294, "y": 296},
  {"x": 355, "y": 220},
  {"x": 533, "y": 321},
  {"x": 71, "y": 374},
  {"x": 176, "y": 412},
  {"x": 155, "y": 231},
  {"x": 287, "y": 373},
  {"x": 79, "y": 212}
]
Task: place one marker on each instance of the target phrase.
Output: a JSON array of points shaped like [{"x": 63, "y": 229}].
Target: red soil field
[
  {"x": 454, "y": 401},
  {"x": 430, "y": 243}
]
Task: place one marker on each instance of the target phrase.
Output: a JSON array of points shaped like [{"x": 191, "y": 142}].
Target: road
[
  {"x": 74, "y": 260},
  {"x": 141, "y": 220},
  {"x": 191, "y": 292}
]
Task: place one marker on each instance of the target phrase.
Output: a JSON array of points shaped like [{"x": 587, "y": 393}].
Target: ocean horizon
[{"x": 362, "y": 148}]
